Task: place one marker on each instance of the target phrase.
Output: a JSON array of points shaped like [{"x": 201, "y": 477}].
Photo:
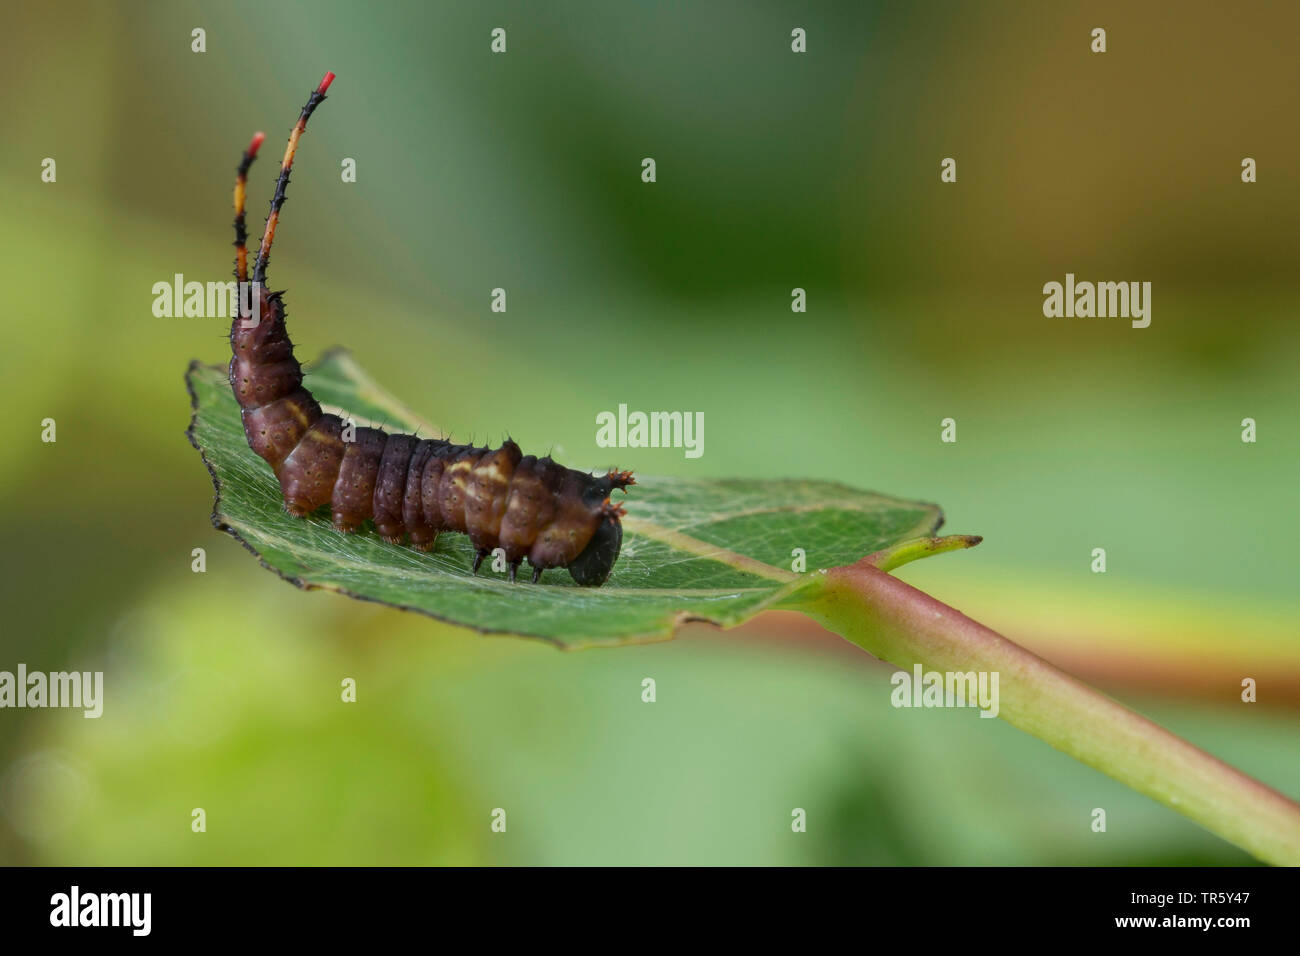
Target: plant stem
[{"x": 897, "y": 623}]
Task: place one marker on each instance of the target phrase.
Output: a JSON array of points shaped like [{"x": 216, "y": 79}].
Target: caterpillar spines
[
  {"x": 241, "y": 187},
  {"x": 412, "y": 488}
]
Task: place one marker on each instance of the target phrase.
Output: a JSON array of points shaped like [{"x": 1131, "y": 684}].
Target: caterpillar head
[{"x": 591, "y": 568}]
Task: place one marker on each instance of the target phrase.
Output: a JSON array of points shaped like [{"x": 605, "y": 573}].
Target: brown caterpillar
[{"x": 530, "y": 507}]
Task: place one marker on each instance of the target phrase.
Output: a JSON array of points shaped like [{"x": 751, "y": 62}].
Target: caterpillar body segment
[{"x": 412, "y": 488}]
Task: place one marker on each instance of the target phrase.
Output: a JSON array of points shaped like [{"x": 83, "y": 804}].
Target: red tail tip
[
  {"x": 325, "y": 83},
  {"x": 256, "y": 144}
]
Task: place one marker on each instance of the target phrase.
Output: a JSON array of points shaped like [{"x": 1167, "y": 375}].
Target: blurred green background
[{"x": 775, "y": 170}]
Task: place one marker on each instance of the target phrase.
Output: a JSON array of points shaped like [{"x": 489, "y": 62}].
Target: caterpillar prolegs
[{"x": 410, "y": 487}]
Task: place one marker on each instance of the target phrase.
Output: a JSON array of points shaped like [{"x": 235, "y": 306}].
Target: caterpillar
[{"x": 411, "y": 488}]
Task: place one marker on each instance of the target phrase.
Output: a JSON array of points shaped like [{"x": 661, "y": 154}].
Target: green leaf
[
  {"x": 718, "y": 551},
  {"x": 693, "y": 549}
]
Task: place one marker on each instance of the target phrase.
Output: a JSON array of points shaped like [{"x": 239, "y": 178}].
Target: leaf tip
[{"x": 902, "y": 553}]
